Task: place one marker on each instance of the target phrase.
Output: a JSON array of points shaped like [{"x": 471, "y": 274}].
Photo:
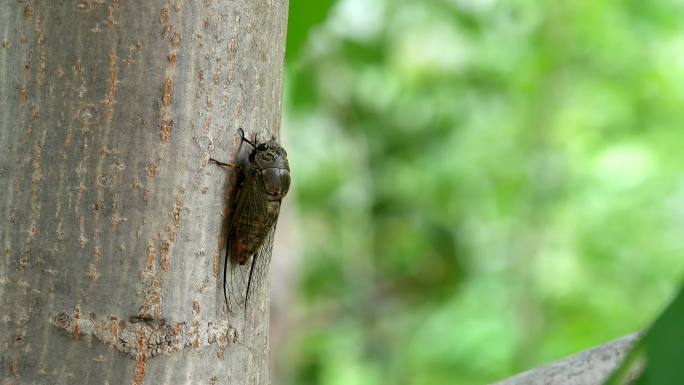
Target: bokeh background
[{"x": 479, "y": 186}]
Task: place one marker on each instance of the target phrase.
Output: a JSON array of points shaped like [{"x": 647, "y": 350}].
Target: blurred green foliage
[{"x": 482, "y": 186}]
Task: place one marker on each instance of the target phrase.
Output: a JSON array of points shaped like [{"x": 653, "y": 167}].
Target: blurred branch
[{"x": 591, "y": 367}]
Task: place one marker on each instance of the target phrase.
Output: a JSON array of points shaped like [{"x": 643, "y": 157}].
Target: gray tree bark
[
  {"x": 112, "y": 221},
  {"x": 590, "y": 367}
]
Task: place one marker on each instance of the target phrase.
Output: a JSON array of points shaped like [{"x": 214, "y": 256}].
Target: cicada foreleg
[{"x": 231, "y": 165}]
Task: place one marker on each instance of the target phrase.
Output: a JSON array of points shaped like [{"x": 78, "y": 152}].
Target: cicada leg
[{"x": 231, "y": 165}]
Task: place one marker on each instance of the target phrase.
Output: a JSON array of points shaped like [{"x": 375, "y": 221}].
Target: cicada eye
[{"x": 262, "y": 147}]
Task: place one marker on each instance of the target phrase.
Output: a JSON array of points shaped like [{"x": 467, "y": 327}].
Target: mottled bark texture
[{"x": 112, "y": 220}]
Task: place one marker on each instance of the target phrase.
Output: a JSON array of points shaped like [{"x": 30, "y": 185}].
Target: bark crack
[{"x": 137, "y": 337}]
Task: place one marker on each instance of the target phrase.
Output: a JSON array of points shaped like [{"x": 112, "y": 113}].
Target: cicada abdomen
[{"x": 262, "y": 186}]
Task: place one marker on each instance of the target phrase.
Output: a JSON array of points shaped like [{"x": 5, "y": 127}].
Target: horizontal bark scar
[{"x": 141, "y": 339}]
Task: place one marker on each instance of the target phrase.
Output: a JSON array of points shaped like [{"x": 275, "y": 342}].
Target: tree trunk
[{"x": 113, "y": 222}]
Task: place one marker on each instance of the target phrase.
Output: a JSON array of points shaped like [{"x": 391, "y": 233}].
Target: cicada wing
[
  {"x": 237, "y": 287},
  {"x": 257, "y": 281},
  {"x": 251, "y": 207}
]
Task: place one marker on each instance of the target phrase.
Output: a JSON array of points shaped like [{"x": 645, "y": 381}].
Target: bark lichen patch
[{"x": 143, "y": 338}]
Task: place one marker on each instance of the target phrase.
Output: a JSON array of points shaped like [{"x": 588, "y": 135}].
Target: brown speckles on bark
[
  {"x": 172, "y": 231},
  {"x": 110, "y": 16},
  {"x": 166, "y": 126},
  {"x": 164, "y": 253},
  {"x": 14, "y": 369},
  {"x": 116, "y": 218},
  {"x": 232, "y": 48},
  {"x": 164, "y": 17},
  {"x": 151, "y": 255},
  {"x": 23, "y": 95},
  {"x": 28, "y": 10},
  {"x": 222, "y": 347},
  {"x": 111, "y": 93},
  {"x": 152, "y": 169},
  {"x": 167, "y": 97},
  {"x": 151, "y": 307},
  {"x": 178, "y": 207},
  {"x": 82, "y": 240},
  {"x": 238, "y": 110},
  {"x": 166, "y": 112},
  {"x": 141, "y": 360},
  {"x": 6, "y": 43},
  {"x": 94, "y": 263},
  {"x": 104, "y": 181},
  {"x": 147, "y": 193},
  {"x": 196, "y": 324},
  {"x": 76, "y": 326},
  {"x": 40, "y": 43},
  {"x": 77, "y": 66}
]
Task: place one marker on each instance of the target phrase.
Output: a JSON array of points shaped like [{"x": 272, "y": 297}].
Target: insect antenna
[{"x": 244, "y": 138}]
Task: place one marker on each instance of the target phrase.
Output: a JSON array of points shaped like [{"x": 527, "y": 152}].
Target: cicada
[{"x": 260, "y": 191}]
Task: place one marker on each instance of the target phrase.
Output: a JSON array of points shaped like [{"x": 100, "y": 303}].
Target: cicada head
[{"x": 271, "y": 159}]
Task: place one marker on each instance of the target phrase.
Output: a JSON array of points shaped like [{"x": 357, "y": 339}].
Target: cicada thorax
[{"x": 265, "y": 182}]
